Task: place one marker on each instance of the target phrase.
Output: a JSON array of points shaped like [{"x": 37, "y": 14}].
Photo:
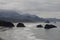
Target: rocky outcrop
[
  {"x": 6, "y": 24},
  {"x": 39, "y": 26},
  {"x": 49, "y": 26},
  {"x": 20, "y": 25}
]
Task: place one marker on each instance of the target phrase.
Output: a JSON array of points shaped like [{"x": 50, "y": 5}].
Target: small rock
[
  {"x": 20, "y": 25},
  {"x": 39, "y": 26}
]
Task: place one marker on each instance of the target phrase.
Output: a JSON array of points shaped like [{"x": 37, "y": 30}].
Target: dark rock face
[
  {"x": 39, "y": 26},
  {"x": 6, "y": 24},
  {"x": 49, "y": 26},
  {"x": 20, "y": 25}
]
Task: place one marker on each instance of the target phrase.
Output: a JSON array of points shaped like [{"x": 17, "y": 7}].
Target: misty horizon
[{"x": 41, "y": 8}]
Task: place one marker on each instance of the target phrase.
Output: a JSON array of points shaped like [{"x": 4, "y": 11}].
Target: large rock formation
[
  {"x": 6, "y": 24},
  {"x": 49, "y": 26},
  {"x": 39, "y": 26},
  {"x": 20, "y": 25}
]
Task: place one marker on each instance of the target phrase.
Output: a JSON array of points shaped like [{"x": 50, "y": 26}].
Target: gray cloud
[
  {"x": 44, "y": 8},
  {"x": 43, "y": 5},
  {"x": 38, "y": 5}
]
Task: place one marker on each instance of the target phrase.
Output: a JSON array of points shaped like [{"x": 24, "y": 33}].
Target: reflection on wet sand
[{"x": 30, "y": 32}]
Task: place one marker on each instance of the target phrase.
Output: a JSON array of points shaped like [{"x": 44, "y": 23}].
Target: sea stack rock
[
  {"x": 20, "y": 25},
  {"x": 39, "y": 26},
  {"x": 49, "y": 26},
  {"x": 6, "y": 24}
]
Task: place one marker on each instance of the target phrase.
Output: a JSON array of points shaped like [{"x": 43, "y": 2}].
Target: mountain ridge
[{"x": 13, "y": 16}]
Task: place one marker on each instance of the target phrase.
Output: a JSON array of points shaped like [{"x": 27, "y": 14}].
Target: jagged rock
[
  {"x": 39, "y": 26},
  {"x": 49, "y": 26},
  {"x": 20, "y": 25},
  {"x": 6, "y": 24}
]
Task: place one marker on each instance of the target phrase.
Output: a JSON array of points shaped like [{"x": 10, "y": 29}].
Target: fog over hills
[{"x": 14, "y": 16}]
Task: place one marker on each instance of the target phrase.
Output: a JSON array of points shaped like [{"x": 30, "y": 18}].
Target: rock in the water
[
  {"x": 20, "y": 25},
  {"x": 6, "y": 24},
  {"x": 39, "y": 26},
  {"x": 49, "y": 26}
]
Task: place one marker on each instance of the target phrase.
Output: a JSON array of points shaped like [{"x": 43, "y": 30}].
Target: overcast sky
[{"x": 42, "y": 8}]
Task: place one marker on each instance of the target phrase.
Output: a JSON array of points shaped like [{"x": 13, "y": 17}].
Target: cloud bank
[{"x": 38, "y": 7}]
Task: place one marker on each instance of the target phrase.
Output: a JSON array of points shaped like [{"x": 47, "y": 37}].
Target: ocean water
[{"x": 31, "y": 32}]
